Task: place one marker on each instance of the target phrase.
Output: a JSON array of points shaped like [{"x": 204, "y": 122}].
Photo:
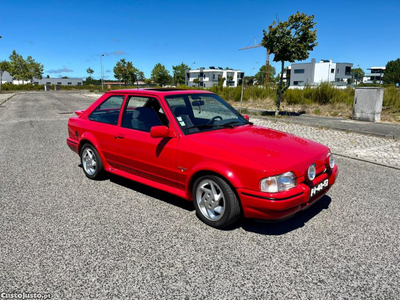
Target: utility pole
[
  {"x": 101, "y": 71},
  {"x": 267, "y": 60}
]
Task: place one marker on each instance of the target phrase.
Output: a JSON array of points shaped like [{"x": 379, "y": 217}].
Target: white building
[
  {"x": 375, "y": 76},
  {"x": 7, "y": 78},
  {"x": 209, "y": 77},
  {"x": 314, "y": 73}
]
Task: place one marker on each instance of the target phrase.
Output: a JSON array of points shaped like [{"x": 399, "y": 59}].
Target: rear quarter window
[{"x": 108, "y": 111}]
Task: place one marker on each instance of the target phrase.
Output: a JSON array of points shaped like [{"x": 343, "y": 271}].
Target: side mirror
[
  {"x": 246, "y": 117},
  {"x": 161, "y": 132}
]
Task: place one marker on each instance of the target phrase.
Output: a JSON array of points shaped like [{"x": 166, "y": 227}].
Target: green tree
[
  {"x": 221, "y": 81},
  {"x": 260, "y": 76},
  {"x": 89, "y": 71},
  {"x": 160, "y": 75},
  {"x": 357, "y": 74},
  {"x": 4, "y": 67},
  {"x": 290, "y": 41},
  {"x": 125, "y": 71},
  {"x": 392, "y": 72},
  {"x": 24, "y": 69},
  {"x": 180, "y": 73}
]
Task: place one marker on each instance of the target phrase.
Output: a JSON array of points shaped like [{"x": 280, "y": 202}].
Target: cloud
[
  {"x": 118, "y": 53},
  {"x": 108, "y": 71},
  {"x": 63, "y": 70},
  {"x": 114, "y": 40},
  {"x": 30, "y": 42}
]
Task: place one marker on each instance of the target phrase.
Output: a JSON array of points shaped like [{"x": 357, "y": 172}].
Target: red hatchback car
[{"x": 194, "y": 145}]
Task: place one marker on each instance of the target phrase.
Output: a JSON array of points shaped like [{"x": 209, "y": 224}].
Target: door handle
[{"x": 119, "y": 136}]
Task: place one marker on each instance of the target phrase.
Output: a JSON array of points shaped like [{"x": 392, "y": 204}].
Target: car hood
[{"x": 276, "y": 150}]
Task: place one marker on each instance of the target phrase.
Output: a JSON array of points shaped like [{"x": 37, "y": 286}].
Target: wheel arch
[
  {"x": 88, "y": 138},
  {"x": 233, "y": 181}
]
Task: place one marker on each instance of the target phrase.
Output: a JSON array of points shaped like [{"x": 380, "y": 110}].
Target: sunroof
[{"x": 165, "y": 90}]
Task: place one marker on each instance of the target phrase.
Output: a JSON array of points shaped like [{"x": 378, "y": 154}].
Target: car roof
[{"x": 159, "y": 91}]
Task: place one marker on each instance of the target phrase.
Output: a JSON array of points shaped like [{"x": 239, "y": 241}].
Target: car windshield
[{"x": 203, "y": 112}]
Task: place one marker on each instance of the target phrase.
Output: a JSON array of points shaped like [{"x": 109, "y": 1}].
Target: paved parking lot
[{"x": 75, "y": 238}]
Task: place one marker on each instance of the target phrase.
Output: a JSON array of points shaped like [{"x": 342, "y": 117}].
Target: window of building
[
  {"x": 338, "y": 71},
  {"x": 213, "y": 76},
  {"x": 48, "y": 82},
  {"x": 59, "y": 83},
  {"x": 332, "y": 71},
  {"x": 69, "y": 83},
  {"x": 297, "y": 82},
  {"x": 298, "y": 71},
  {"x": 79, "y": 83}
]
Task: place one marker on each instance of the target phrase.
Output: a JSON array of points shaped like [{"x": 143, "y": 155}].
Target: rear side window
[{"x": 108, "y": 111}]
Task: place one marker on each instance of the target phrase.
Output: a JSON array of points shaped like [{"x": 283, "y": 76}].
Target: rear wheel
[
  {"x": 91, "y": 162},
  {"x": 215, "y": 202}
]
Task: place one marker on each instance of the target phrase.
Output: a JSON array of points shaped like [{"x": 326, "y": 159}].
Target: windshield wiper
[
  {"x": 203, "y": 126},
  {"x": 230, "y": 124}
]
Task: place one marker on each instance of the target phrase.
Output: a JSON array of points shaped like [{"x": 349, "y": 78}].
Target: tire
[
  {"x": 215, "y": 202},
  {"x": 91, "y": 162}
]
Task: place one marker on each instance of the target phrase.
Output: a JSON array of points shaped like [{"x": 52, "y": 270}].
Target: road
[{"x": 73, "y": 238}]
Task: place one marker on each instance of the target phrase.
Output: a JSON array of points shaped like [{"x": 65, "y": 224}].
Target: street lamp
[{"x": 101, "y": 71}]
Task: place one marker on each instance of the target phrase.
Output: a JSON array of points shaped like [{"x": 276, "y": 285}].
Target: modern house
[
  {"x": 314, "y": 73},
  {"x": 7, "y": 78},
  {"x": 207, "y": 78},
  {"x": 375, "y": 76}
]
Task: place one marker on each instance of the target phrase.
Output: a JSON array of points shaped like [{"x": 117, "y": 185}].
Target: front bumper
[{"x": 275, "y": 206}]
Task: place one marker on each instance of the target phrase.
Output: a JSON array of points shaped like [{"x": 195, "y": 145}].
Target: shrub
[{"x": 391, "y": 98}]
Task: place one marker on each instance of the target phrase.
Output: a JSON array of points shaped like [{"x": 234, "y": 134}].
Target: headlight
[
  {"x": 331, "y": 161},
  {"x": 279, "y": 183}
]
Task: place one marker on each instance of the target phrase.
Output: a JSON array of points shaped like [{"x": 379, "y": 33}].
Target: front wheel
[
  {"x": 91, "y": 162},
  {"x": 215, "y": 202}
]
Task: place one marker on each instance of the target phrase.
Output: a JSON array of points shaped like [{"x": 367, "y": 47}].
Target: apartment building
[
  {"x": 206, "y": 78},
  {"x": 314, "y": 73}
]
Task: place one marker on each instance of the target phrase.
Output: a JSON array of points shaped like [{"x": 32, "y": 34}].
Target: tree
[
  {"x": 221, "y": 81},
  {"x": 4, "y": 67},
  {"x": 125, "y": 71},
  {"x": 392, "y": 72},
  {"x": 89, "y": 71},
  {"x": 22, "y": 69},
  {"x": 290, "y": 41},
  {"x": 260, "y": 76},
  {"x": 180, "y": 73},
  {"x": 160, "y": 75},
  {"x": 357, "y": 74}
]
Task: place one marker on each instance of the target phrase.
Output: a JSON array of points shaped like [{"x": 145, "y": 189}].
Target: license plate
[{"x": 319, "y": 187}]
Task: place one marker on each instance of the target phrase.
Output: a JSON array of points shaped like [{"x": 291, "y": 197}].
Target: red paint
[{"x": 167, "y": 159}]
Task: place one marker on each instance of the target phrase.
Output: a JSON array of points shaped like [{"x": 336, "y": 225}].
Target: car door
[
  {"x": 104, "y": 125},
  {"x": 138, "y": 152}
]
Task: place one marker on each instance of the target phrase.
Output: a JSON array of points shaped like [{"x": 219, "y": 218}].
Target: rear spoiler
[{"x": 79, "y": 112}]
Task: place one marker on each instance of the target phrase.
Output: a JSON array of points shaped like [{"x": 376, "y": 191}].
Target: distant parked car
[{"x": 194, "y": 145}]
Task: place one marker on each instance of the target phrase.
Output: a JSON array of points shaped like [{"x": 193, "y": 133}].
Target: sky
[{"x": 68, "y": 37}]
